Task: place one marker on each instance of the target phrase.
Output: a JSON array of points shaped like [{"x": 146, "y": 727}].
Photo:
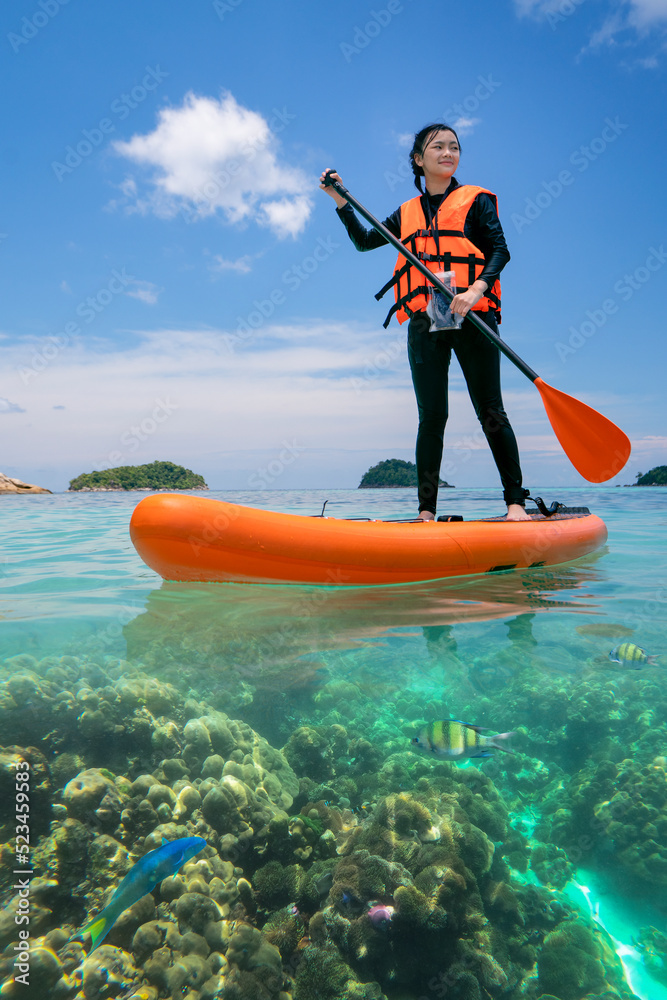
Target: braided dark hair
[{"x": 422, "y": 139}]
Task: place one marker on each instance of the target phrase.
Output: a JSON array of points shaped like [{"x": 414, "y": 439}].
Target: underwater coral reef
[{"x": 338, "y": 863}]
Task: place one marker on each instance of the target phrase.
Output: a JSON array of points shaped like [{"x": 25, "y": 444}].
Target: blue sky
[{"x": 175, "y": 285}]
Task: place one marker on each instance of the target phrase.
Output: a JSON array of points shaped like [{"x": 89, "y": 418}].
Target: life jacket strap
[
  {"x": 438, "y": 232},
  {"x": 402, "y": 303},
  {"x": 447, "y": 259},
  {"x": 393, "y": 280}
]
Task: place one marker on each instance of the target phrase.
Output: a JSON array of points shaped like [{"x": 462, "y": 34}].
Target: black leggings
[{"x": 429, "y": 355}]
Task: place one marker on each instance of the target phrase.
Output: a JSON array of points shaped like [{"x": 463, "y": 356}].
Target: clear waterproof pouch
[{"x": 437, "y": 307}]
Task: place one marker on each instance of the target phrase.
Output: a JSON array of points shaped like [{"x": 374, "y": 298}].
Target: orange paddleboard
[{"x": 190, "y": 538}]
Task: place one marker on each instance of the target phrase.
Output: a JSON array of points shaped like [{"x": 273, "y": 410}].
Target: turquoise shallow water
[
  {"x": 524, "y": 651},
  {"x": 68, "y": 568},
  {"x": 68, "y": 557}
]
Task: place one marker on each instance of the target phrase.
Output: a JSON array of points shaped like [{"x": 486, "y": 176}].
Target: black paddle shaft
[{"x": 416, "y": 262}]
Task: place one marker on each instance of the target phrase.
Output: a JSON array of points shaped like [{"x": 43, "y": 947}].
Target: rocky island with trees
[
  {"x": 655, "y": 477},
  {"x": 393, "y": 473},
  {"x": 154, "y": 476}
]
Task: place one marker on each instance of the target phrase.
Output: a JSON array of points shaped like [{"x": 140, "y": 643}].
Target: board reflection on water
[{"x": 267, "y": 652}]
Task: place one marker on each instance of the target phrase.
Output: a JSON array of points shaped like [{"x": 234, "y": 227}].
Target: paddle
[{"x": 597, "y": 448}]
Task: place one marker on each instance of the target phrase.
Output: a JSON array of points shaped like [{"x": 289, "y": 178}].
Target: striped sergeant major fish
[
  {"x": 452, "y": 739},
  {"x": 141, "y": 879},
  {"x": 629, "y": 655}
]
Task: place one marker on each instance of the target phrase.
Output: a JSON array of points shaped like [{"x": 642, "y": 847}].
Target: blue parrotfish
[
  {"x": 629, "y": 655},
  {"x": 141, "y": 879},
  {"x": 454, "y": 740}
]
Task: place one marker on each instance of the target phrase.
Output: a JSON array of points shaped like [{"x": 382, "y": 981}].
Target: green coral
[
  {"x": 635, "y": 818},
  {"x": 551, "y": 865},
  {"x": 276, "y": 885},
  {"x": 284, "y": 929},
  {"x": 323, "y": 974},
  {"x": 309, "y": 753},
  {"x": 412, "y": 905},
  {"x": 362, "y": 877},
  {"x": 313, "y": 824},
  {"x": 410, "y": 815},
  {"x": 253, "y": 955},
  {"x": 652, "y": 944},
  {"x": 569, "y": 963}
]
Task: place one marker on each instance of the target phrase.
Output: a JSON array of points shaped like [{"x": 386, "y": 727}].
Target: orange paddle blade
[{"x": 597, "y": 448}]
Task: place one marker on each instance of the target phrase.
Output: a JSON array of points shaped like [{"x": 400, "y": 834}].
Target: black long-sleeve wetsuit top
[{"x": 482, "y": 227}]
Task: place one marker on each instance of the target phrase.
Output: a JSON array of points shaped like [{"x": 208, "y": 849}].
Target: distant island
[
  {"x": 155, "y": 476},
  {"x": 656, "y": 477},
  {"x": 390, "y": 474}
]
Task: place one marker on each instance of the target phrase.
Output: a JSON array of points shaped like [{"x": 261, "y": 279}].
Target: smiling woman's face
[{"x": 440, "y": 157}]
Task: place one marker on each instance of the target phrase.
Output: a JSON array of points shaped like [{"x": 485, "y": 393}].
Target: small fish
[
  {"x": 323, "y": 884},
  {"x": 453, "y": 740},
  {"x": 380, "y": 916},
  {"x": 629, "y": 655},
  {"x": 141, "y": 879},
  {"x": 365, "y": 809},
  {"x": 350, "y": 905}
]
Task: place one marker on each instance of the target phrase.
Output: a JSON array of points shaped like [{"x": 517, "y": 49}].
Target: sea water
[{"x": 71, "y": 584}]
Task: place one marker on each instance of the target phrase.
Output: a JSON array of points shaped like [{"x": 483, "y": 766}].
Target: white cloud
[
  {"x": 145, "y": 291},
  {"x": 65, "y": 287},
  {"x": 242, "y": 264},
  {"x": 537, "y": 8},
  {"x": 298, "y": 380},
  {"x": 650, "y": 444},
  {"x": 215, "y": 157},
  {"x": 331, "y": 387},
  {"x": 129, "y": 192},
  {"x": 607, "y": 32},
  {"x": 644, "y": 13},
  {"x": 286, "y": 217},
  {"x": 634, "y": 22},
  {"x": 464, "y": 126},
  {"x": 334, "y": 388},
  {"x": 7, "y": 407},
  {"x": 631, "y": 20}
]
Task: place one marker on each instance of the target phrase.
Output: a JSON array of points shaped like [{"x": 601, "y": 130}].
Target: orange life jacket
[{"x": 453, "y": 252}]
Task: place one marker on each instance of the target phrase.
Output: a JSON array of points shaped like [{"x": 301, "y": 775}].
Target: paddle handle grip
[{"x": 423, "y": 269}]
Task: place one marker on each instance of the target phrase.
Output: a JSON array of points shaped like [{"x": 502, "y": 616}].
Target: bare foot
[
  {"x": 515, "y": 512},
  {"x": 426, "y": 515}
]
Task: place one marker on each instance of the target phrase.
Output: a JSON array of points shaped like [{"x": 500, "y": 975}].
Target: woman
[{"x": 451, "y": 227}]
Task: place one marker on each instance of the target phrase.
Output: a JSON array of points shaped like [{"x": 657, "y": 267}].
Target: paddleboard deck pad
[{"x": 189, "y": 538}]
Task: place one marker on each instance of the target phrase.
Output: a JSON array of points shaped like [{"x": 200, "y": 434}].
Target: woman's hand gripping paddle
[{"x": 597, "y": 448}]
